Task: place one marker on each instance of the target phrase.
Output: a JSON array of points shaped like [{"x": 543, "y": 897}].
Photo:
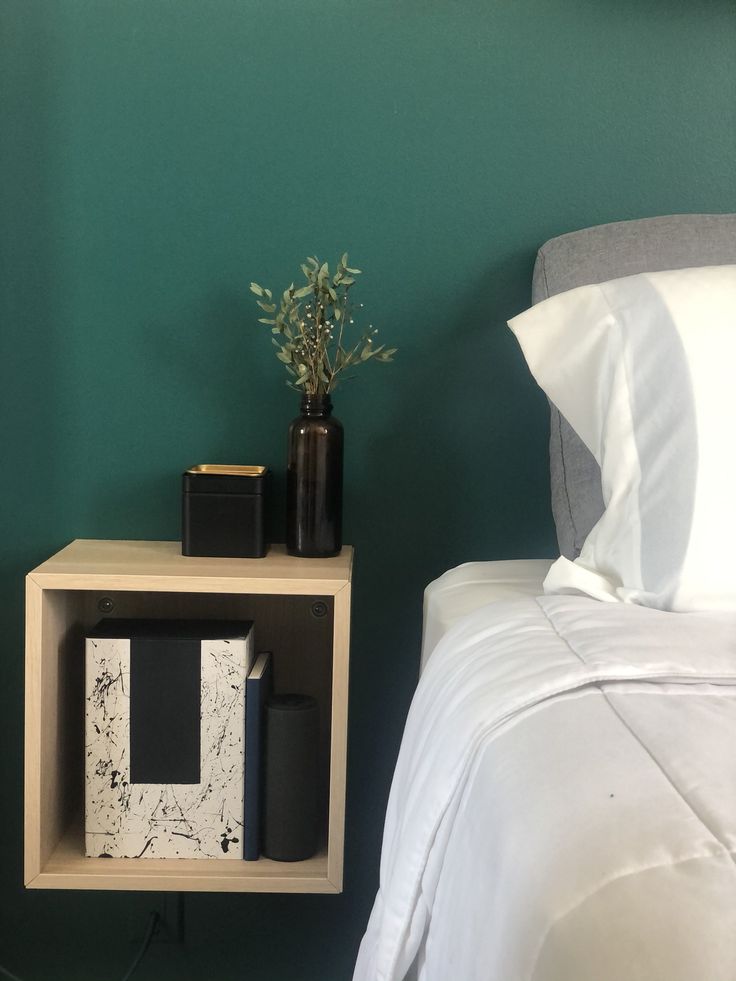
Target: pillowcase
[{"x": 644, "y": 369}]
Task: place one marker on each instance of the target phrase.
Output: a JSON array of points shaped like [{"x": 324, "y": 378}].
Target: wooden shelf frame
[{"x": 154, "y": 579}]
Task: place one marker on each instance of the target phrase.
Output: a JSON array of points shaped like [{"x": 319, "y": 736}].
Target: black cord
[
  {"x": 152, "y": 924},
  {"x": 6, "y": 974}
]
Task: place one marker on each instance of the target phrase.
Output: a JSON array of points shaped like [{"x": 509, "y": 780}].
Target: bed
[{"x": 564, "y": 802}]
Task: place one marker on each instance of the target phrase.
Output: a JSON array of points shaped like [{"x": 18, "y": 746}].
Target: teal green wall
[{"x": 157, "y": 155}]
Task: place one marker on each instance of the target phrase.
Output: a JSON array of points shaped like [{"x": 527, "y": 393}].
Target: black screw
[
  {"x": 105, "y": 605},
  {"x": 319, "y": 609}
]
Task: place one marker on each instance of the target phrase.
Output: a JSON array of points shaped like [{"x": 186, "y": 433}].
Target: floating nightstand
[{"x": 301, "y": 608}]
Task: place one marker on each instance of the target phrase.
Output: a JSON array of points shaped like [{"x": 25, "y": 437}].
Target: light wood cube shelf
[{"x": 301, "y": 610}]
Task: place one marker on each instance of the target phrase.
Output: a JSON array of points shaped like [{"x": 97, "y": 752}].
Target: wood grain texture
[
  {"x": 68, "y": 868},
  {"x": 338, "y": 742},
  {"x": 152, "y": 579},
  {"x": 32, "y": 759},
  {"x": 89, "y": 564}
]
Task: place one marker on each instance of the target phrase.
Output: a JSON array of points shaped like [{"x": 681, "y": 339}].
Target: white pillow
[{"x": 644, "y": 369}]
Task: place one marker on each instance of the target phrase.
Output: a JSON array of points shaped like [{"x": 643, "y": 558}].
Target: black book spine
[{"x": 257, "y": 691}]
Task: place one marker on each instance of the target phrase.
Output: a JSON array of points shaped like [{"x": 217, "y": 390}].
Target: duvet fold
[{"x": 543, "y": 780}]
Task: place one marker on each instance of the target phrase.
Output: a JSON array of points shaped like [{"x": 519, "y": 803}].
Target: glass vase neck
[{"x": 316, "y": 405}]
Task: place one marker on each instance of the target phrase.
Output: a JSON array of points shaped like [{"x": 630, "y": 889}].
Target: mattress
[
  {"x": 564, "y": 803},
  {"x": 472, "y": 585}
]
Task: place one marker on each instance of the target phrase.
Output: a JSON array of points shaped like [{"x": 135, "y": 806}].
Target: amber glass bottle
[{"x": 314, "y": 481}]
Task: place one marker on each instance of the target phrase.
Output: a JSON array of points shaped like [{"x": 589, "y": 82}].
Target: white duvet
[{"x": 564, "y": 803}]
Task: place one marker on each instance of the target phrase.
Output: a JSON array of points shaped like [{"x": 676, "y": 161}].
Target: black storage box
[{"x": 223, "y": 511}]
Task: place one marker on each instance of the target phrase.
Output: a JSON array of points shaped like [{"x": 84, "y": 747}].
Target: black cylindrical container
[
  {"x": 314, "y": 481},
  {"x": 291, "y": 794}
]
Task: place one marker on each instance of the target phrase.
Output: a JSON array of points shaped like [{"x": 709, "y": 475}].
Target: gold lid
[{"x": 220, "y": 469}]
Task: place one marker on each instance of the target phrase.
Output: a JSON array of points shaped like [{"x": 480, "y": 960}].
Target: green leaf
[
  {"x": 255, "y": 288},
  {"x": 266, "y": 320},
  {"x": 283, "y": 357},
  {"x": 324, "y": 271},
  {"x": 333, "y": 294},
  {"x": 302, "y": 381},
  {"x": 344, "y": 260},
  {"x": 338, "y": 313},
  {"x": 354, "y": 272},
  {"x": 268, "y": 307},
  {"x": 348, "y": 281},
  {"x": 304, "y": 291}
]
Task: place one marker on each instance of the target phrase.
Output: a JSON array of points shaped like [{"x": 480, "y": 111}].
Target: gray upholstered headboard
[{"x": 595, "y": 255}]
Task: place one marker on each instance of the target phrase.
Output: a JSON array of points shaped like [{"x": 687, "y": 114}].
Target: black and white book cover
[{"x": 165, "y": 738}]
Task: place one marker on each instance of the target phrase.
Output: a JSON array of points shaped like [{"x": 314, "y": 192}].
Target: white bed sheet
[{"x": 564, "y": 804}]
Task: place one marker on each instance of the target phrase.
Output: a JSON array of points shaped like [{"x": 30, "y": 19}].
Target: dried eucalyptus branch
[{"x": 310, "y": 322}]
